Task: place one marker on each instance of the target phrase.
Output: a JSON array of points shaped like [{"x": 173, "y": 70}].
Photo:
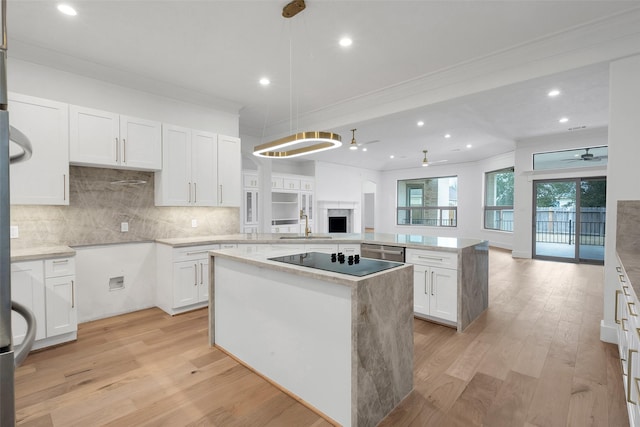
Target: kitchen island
[{"x": 342, "y": 344}]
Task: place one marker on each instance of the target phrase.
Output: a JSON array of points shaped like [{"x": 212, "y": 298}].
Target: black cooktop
[{"x": 338, "y": 263}]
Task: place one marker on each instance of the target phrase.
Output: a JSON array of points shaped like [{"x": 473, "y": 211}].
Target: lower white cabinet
[
  {"x": 435, "y": 288},
  {"x": 183, "y": 277},
  {"x": 47, "y": 287}
]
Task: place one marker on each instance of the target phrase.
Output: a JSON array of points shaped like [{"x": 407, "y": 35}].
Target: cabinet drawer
[
  {"x": 277, "y": 182},
  {"x": 59, "y": 267},
  {"x": 432, "y": 258},
  {"x": 306, "y": 185},
  {"x": 250, "y": 181},
  {"x": 193, "y": 252},
  {"x": 291, "y": 184}
]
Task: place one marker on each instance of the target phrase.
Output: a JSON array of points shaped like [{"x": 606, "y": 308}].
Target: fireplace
[{"x": 337, "y": 224}]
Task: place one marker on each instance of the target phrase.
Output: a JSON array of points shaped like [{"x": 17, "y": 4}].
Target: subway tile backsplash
[{"x": 102, "y": 199}]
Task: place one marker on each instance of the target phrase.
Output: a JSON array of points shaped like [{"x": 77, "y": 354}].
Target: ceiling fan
[
  {"x": 586, "y": 156},
  {"x": 354, "y": 145},
  {"x": 426, "y": 162}
]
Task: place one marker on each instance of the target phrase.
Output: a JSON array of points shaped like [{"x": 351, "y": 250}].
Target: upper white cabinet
[
  {"x": 229, "y": 171},
  {"x": 44, "y": 178},
  {"x": 101, "y": 138},
  {"x": 198, "y": 169}
]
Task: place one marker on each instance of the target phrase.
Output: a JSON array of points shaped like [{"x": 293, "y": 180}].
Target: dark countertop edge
[
  {"x": 327, "y": 276},
  {"x": 630, "y": 261}
]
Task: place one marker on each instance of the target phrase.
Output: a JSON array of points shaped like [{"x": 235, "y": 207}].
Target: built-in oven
[{"x": 386, "y": 252}]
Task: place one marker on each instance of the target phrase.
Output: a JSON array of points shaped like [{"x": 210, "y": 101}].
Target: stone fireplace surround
[{"x": 350, "y": 210}]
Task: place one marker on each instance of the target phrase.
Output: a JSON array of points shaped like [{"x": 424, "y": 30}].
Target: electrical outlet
[
  {"x": 194, "y": 223},
  {"x": 124, "y": 227},
  {"x": 14, "y": 233}
]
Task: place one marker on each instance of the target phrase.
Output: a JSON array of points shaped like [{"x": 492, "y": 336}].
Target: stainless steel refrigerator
[{"x": 8, "y": 360}]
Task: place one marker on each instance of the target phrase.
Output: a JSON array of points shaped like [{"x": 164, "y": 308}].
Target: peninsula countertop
[{"x": 414, "y": 241}]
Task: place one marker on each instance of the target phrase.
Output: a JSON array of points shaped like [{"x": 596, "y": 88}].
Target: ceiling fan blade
[{"x": 368, "y": 142}]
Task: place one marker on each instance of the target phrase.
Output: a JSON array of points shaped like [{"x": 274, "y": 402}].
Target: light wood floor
[{"x": 533, "y": 359}]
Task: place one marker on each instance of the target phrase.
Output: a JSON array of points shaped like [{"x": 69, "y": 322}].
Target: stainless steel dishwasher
[{"x": 386, "y": 252}]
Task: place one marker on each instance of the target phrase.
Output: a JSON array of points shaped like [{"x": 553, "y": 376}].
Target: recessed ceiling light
[
  {"x": 67, "y": 10},
  {"x": 346, "y": 42},
  {"x": 265, "y": 81},
  {"x": 469, "y": 145},
  {"x": 353, "y": 147},
  {"x": 553, "y": 92},
  {"x": 563, "y": 120},
  {"x": 391, "y": 156},
  {"x": 447, "y": 135},
  {"x": 420, "y": 123},
  {"x": 364, "y": 149}
]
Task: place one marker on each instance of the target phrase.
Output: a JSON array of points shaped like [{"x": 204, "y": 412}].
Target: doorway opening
[{"x": 569, "y": 217}]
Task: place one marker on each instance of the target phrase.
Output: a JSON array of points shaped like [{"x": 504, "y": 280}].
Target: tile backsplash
[{"x": 102, "y": 199}]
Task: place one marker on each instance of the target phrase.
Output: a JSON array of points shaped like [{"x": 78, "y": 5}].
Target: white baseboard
[
  {"x": 608, "y": 333},
  {"x": 520, "y": 254}
]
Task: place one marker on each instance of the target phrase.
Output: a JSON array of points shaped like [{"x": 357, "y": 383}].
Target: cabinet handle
[
  {"x": 615, "y": 316},
  {"x": 61, "y": 261},
  {"x": 220, "y": 193},
  {"x": 621, "y": 278},
  {"x": 432, "y": 282},
  {"x": 124, "y": 150},
  {"x": 624, "y": 291},
  {"x": 195, "y": 270},
  {"x": 430, "y": 257},
  {"x": 195, "y": 193},
  {"x": 618, "y": 269},
  {"x": 73, "y": 294},
  {"x": 189, "y": 192},
  {"x": 425, "y": 283},
  {"x": 64, "y": 186},
  {"x": 201, "y": 273},
  {"x": 622, "y": 323},
  {"x": 196, "y": 252},
  {"x": 629, "y": 304},
  {"x": 116, "y": 150},
  {"x": 629, "y": 377}
]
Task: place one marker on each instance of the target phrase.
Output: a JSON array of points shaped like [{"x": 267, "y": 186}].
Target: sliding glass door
[{"x": 569, "y": 218}]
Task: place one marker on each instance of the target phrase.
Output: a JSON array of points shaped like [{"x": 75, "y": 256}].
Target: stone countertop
[
  {"x": 42, "y": 252},
  {"x": 450, "y": 244},
  {"x": 260, "y": 259}
]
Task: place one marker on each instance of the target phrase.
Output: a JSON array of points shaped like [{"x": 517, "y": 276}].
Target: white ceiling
[{"x": 214, "y": 52}]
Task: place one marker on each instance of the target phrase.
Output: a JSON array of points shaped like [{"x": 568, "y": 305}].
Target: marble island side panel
[{"x": 473, "y": 283}]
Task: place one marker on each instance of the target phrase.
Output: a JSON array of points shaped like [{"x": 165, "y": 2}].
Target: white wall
[
  {"x": 524, "y": 177},
  {"x": 339, "y": 183},
  {"x": 622, "y": 181},
  {"x": 95, "y": 265},
  {"x": 45, "y": 82},
  {"x": 470, "y": 200}
]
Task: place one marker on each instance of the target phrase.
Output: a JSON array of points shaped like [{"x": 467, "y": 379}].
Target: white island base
[{"x": 341, "y": 344}]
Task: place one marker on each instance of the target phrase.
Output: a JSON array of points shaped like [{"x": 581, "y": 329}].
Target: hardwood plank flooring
[{"x": 534, "y": 358}]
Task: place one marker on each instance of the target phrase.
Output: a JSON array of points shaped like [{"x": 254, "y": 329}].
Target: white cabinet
[
  {"x": 229, "y": 171},
  {"x": 101, "y": 138},
  {"x": 306, "y": 206},
  {"x": 306, "y": 185},
  {"x": 435, "y": 286},
  {"x": 27, "y": 288},
  {"x": 250, "y": 204},
  {"x": 44, "y": 178},
  {"x": 349, "y": 248},
  {"x": 285, "y": 212},
  {"x": 48, "y": 289},
  {"x": 183, "y": 277},
  {"x": 62, "y": 314},
  {"x": 326, "y": 248},
  {"x": 198, "y": 169}
]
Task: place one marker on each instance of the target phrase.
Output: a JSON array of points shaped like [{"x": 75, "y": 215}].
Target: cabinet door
[
  {"x": 185, "y": 283},
  {"x": 250, "y": 207},
  {"x": 443, "y": 294},
  {"x": 203, "y": 280},
  {"x": 44, "y": 179},
  {"x": 173, "y": 183},
  {"x": 141, "y": 143},
  {"x": 61, "y": 305},
  {"x": 349, "y": 249},
  {"x": 421, "y": 289},
  {"x": 27, "y": 288},
  {"x": 93, "y": 137},
  {"x": 204, "y": 160},
  {"x": 229, "y": 171},
  {"x": 250, "y": 180}
]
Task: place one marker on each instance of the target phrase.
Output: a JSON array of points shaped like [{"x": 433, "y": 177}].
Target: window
[
  {"x": 428, "y": 201},
  {"x": 498, "y": 200}
]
